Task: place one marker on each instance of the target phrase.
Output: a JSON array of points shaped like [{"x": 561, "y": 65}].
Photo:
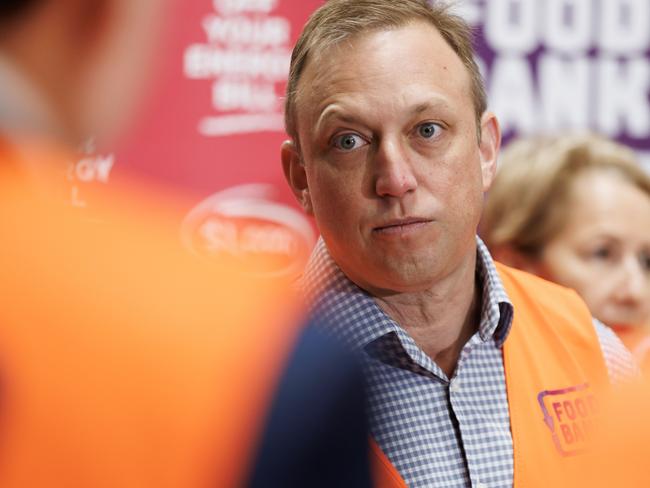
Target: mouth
[{"x": 402, "y": 226}]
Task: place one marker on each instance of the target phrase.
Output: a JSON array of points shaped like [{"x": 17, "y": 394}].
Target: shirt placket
[{"x": 473, "y": 426}]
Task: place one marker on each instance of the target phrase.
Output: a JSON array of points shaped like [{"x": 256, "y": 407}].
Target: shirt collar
[
  {"x": 354, "y": 317},
  {"x": 496, "y": 307}
]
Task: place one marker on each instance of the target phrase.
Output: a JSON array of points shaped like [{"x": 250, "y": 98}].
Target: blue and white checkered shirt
[{"x": 437, "y": 431}]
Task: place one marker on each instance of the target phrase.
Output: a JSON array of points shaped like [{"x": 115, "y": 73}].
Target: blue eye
[
  {"x": 428, "y": 129},
  {"x": 348, "y": 142}
]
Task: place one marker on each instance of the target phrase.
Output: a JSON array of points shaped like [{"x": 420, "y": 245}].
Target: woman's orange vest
[{"x": 553, "y": 367}]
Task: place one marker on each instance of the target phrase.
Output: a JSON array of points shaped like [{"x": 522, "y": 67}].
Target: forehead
[
  {"x": 605, "y": 198},
  {"x": 387, "y": 68}
]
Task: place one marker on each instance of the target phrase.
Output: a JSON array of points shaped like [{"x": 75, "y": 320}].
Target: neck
[
  {"x": 442, "y": 318},
  {"x": 44, "y": 52}
]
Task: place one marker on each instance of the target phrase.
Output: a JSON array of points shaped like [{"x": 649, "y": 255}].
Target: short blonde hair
[
  {"x": 526, "y": 207},
  {"x": 340, "y": 20}
]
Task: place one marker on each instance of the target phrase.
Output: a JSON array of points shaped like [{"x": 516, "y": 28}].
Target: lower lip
[{"x": 401, "y": 230}]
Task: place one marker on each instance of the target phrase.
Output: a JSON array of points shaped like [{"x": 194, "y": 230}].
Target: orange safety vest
[
  {"x": 124, "y": 361},
  {"x": 553, "y": 366}
]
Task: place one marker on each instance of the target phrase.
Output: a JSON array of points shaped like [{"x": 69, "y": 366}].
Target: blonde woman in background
[{"x": 576, "y": 210}]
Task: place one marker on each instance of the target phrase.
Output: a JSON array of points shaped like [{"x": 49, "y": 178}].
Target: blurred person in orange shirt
[
  {"x": 124, "y": 361},
  {"x": 575, "y": 209}
]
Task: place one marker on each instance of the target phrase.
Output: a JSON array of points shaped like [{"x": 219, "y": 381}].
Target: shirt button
[
  {"x": 454, "y": 387},
  {"x": 481, "y": 485}
]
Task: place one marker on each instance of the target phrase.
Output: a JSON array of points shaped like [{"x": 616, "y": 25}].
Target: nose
[
  {"x": 394, "y": 171},
  {"x": 634, "y": 282}
]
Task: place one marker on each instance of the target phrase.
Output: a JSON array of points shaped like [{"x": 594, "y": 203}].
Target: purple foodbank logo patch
[
  {"x": 569, "y": 413},
  {"x": 245, "y": 222}
]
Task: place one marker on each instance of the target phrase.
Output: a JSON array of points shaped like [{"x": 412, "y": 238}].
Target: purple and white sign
[{"x": 567, "y": 65}]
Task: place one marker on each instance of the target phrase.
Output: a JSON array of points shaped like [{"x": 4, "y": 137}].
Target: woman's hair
[{"x": 526, "y": 207}]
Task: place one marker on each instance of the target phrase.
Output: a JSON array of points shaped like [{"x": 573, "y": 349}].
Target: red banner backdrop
[
  {"x": 212, "y": 124},
  {"x": 215, "y": 119}
]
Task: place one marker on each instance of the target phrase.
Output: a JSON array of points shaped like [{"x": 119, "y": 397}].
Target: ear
[
  {"x": 294, "y": 173},
  {"x": 489, "y": 148}
]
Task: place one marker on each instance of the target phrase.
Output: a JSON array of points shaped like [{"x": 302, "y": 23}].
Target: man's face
[{"x": 391, "y": 167}]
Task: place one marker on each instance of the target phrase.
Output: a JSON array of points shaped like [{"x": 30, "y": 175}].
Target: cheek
[
  {"x": 570, "y": 270},
  {"x": 464, "y": 173},
  {"x": 563, "y": 266},
  {"x": 465, "y": 192},
  {"x": 334, "y": 198}
]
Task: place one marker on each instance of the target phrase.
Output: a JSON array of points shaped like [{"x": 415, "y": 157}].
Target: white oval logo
[{"x": 245, "y": 222}]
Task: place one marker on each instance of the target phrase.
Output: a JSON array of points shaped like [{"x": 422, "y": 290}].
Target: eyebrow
[
  {"x": 424, "y": 106},
  {"x": 334, "y": 111}
]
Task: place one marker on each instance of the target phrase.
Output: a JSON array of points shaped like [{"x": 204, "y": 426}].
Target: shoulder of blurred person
[{"x": 118, "y": 346}]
